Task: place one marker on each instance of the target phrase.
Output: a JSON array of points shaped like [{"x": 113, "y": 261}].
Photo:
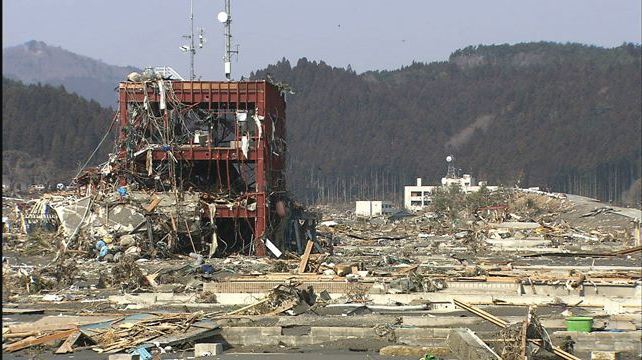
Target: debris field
[{"x": 187, "y": 236}]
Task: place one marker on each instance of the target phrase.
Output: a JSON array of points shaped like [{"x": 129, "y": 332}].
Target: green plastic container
[{"x": 579, "y": 323}]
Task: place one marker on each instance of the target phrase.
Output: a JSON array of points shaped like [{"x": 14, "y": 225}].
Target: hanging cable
[{"x": 111, "y": 126}]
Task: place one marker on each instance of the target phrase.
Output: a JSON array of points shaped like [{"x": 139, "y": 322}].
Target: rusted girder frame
[{"x": 204, "y": 153}]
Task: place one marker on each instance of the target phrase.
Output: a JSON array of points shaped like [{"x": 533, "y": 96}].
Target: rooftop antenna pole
[
  {"x": 191, "y": 48},
  {"x": 192, "y": 51},
  {"x": 225, "y": 17}
]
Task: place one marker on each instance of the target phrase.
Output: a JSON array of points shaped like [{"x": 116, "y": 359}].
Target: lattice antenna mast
[
  {"x": 452, "y": 173},
  {"x": 225, "y": 17},
  {"x": 191, "y": 49}
]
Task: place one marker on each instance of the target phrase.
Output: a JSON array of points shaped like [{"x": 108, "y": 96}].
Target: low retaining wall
[{"x": 432, "y": 337}]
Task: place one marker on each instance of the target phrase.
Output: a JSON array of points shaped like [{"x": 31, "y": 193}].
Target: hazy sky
[{"x": 367, "y": 34}]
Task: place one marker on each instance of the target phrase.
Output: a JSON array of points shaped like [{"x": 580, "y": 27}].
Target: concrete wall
[
  {"x": 628, "y": 342},
  {"x": 273, "y": 335}
]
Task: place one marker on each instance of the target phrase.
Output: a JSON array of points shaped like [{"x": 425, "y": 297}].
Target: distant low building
[
  {"x": 418, "y": 196},
  {"x": 373, "y": 208}
]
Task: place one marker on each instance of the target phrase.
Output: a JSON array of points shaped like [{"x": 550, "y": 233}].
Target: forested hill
[
  {"x": 47, "y": 132},
  {"x": 562, "y": 116}
]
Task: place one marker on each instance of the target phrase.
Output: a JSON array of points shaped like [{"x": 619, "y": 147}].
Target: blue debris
[
  {"x": 122, "y": 191},
  {"x": 207, "y": 269},
  {"x": 142, "y": 351}
]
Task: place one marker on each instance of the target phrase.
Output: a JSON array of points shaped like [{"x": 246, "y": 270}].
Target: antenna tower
[
  {"x": 225, "y": 17},
  {"x": 452, "y": 173},
  {"x": 191, "y": 49}
]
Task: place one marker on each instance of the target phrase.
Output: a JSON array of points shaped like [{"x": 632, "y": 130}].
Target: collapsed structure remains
[{"x": 209, "y": 157}]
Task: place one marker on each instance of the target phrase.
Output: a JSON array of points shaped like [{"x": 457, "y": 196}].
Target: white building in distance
[
  {"x": 418, "y": 196},
  {"x": 373, "y": 208}
]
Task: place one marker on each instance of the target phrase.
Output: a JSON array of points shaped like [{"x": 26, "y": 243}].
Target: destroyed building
[
  {"x": 201, "y": 167},
  {"x": 198, "y": 168}
]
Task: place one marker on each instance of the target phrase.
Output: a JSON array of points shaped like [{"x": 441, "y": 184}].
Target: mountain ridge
[
  {"x": 566, "y": 117},
  {"x": 35, "y": 61},
  {"x": 578, "y": 100}
]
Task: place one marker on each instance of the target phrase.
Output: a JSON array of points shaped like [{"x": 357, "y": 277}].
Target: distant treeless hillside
[{"x": 36, "y": 62}]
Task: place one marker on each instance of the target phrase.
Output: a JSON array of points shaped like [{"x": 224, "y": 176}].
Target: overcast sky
[{"x": 367, "y": 34}]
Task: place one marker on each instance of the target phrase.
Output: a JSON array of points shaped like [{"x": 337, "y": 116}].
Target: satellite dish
[
  {"x": 222, "y": 17},
  {"x": 449, "y": 158}
]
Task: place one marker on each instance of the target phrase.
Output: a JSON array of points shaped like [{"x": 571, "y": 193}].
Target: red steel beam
[
  {"x": 204, "y": 153},
  {"x": 235, "y": 212}
]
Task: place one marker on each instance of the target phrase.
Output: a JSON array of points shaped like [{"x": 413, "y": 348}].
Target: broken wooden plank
[
  {"x": 306, "y": 256},
  {"x": 151, "y": 279},
  {"x": 20, "y": 335},
  {"x": 406, "y": 270},
  {"x": 481, "y": 313},
  {"x": 152, "y": 205},
  {"x": 14, "y": 311},
  {"x": 33, "y": 341},
  {"x": 54, "y": 323},
  {"x": 284, "y": 307},
  {"x": 67, "y": 346},
  {"x": 248, "y": 307}
]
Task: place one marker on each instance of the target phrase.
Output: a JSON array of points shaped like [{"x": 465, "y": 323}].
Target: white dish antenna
[
  {"x": 449, "y": 158},
  {"x": 222, "y": 17}
]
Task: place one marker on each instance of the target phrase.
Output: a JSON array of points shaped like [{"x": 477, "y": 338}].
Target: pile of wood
[{"x": 108, "y": 334}]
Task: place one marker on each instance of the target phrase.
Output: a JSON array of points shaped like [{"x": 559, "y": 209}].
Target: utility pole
[{"x": 225, "y": 17}]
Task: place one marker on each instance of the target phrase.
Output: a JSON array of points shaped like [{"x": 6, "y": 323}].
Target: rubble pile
[
  {"x": 532, "y": 241},
  {"x": 286, "y": 297},
  {"x": 137, "y": 334}
]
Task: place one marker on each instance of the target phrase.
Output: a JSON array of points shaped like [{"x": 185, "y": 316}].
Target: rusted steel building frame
[{"x": 269, "y": 168}]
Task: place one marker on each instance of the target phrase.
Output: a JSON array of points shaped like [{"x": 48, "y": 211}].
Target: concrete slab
[
  {"x": 207, "y": 349},
  {"x": 464, "y": 344}
]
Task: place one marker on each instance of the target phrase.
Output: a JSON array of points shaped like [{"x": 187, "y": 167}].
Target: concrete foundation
[
  {"x": 207, "y": 349},
  {"x": 464, "y": 344},
  {"x": 473, "y": 292},
  {"x": 628, "y": 342}
]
